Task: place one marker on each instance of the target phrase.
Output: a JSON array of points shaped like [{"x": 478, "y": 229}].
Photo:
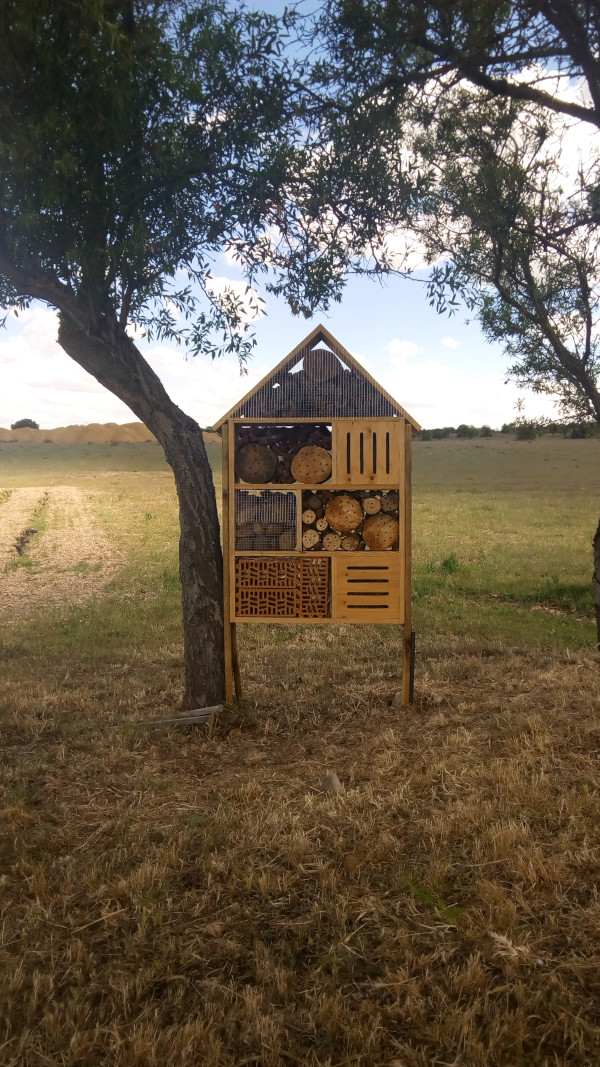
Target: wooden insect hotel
[{"x": 317, "y": 500}]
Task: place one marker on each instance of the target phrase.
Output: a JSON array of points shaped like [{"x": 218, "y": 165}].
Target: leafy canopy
[
  {"x": 138, "y": 139},
  {"x": 470, "y": 102}
]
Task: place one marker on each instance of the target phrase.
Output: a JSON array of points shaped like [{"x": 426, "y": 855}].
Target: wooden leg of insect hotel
[
  {"x": 228, "y": 629},
  {"x": 235, "y": 663},
  {"x": 408, "y": 643}
]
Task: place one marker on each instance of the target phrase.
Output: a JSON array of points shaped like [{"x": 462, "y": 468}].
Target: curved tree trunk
[
  {"x": 597, "y": 580},
  {"x": 113, "y": 359}
]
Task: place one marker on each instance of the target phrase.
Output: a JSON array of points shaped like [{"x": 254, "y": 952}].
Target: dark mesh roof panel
[{"x": 292, "y": 393}]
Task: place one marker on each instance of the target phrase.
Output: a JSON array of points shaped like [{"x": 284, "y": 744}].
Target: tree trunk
[
  {"x": 111, "y": 357},
  {"x": 597, "y": 580}
]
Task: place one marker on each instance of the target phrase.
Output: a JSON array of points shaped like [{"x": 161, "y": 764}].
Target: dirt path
[{"x": 67, "y": 560}]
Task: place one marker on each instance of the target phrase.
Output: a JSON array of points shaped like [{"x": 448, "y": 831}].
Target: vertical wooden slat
[
  {"x": 235, "y": 662},
  {"x": 406, "y": 548},
  {"x": 228, "y": 574},
  {"x": 231, "y": 477},
  {"x": 299, "y": 509}
]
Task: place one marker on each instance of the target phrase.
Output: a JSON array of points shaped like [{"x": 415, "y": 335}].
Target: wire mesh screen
[
  {"x": 319, "y": 383},
  {"x": 265, "y": 521},
  {"x": 292, "y": 588}
]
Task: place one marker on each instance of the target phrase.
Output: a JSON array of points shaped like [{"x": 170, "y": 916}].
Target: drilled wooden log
[
  {"x": 390, "y": 502},
  {"x": 313, "y": 501},
  {"x": 308, "y": 517},
  {"x": 344, "y": 513},
  {"x": 351, "y": 542},
  {"x": 372, "y": 504},
  {"x": 310, "y": 538},
  {"x": 255, "y": 463},
  {"x": 322, "y": 524},
  {"x": 332, "y": 541},
  {"x": 321, "y": 365},
  {"x": 380, "y": 532},
  {"x": 311, "y": 464}
]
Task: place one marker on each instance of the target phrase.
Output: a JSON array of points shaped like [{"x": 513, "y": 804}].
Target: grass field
[{"x": 193, "y": 898}]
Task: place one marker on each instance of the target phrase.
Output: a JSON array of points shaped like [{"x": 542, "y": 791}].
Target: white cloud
[
  {"x": 401, "y": 350},
  {"x": 403, "y": 250},
  {"x": 231, "y": 291},
  {"x": 39, "y": 381},
  {"x": 449, "y": 342},
  {"x": 440, "y": 395},
  {"x": 364, "y": 362}
]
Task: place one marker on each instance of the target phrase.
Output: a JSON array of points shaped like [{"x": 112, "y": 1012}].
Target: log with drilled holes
[
  {"x": 255, "y": 463},
  {"x": 380, "y": 532},
  {"x": 311, "y": 464},
  {"x": 344, "y": 513},
  {"x": 310, "y": 538},
  {"x": 352, "y": 543},
  {"x": 332, "y": 541},
  {"x": 390, "y": 501}
]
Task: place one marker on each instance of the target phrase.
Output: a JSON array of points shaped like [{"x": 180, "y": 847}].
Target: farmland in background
[{"x": 193, "y": 898}]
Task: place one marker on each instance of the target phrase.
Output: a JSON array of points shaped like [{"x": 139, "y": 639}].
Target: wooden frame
[{"x": 368, "y": 455}]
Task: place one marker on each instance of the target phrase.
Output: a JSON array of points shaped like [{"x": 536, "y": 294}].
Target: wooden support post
[
  {"x": 413, "y": 653},
  {"x": 406, "y": 547},
  {"x": 227, "y": 628},
  {"x": 237, "y": 678}
]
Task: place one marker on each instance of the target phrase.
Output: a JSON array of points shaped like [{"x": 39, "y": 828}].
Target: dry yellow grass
[
  {"x": 192, "y": 897},
  {"x": 186, "y": 899}
]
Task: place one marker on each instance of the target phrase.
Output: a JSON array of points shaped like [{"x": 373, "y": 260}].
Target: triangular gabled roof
[{"x": 343, "y": 390}]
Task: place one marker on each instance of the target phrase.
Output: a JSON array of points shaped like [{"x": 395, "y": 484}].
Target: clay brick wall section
[{"x": 284, "y": 587}]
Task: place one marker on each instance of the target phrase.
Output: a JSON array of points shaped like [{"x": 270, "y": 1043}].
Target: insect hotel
[{"x": 317, "y": 500}]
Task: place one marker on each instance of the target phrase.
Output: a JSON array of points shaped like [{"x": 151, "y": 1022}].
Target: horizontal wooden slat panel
[{"x": 366, "y": 587}]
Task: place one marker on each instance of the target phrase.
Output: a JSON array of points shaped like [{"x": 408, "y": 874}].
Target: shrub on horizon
[{"x": 24, "y": 424}]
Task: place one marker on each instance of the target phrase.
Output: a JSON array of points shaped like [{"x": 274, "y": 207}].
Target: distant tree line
[{"x": 523, "y": 429}]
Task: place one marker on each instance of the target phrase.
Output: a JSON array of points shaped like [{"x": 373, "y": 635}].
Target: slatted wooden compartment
[
  {"x": 367, "y": 587},
  {"x": 292, "y": 587},
  {"x": 366, "y": 452}
]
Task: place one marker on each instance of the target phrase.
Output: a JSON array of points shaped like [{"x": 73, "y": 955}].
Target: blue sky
[{"x": 440, "y": 369}]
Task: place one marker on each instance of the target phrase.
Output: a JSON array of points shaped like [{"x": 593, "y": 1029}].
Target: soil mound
[{"x": 94, "y": 434}]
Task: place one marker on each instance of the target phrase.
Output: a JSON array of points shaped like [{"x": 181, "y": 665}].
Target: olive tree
[{"x": 140, "y": 138}]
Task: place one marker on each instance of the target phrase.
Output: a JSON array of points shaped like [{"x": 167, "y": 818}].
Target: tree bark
[
  {"x": 596, "y": 543},
  {"x": 107, "y": 353}
]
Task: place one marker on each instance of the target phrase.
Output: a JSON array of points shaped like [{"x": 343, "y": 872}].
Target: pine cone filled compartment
[{"x": 359, "y": 520}]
